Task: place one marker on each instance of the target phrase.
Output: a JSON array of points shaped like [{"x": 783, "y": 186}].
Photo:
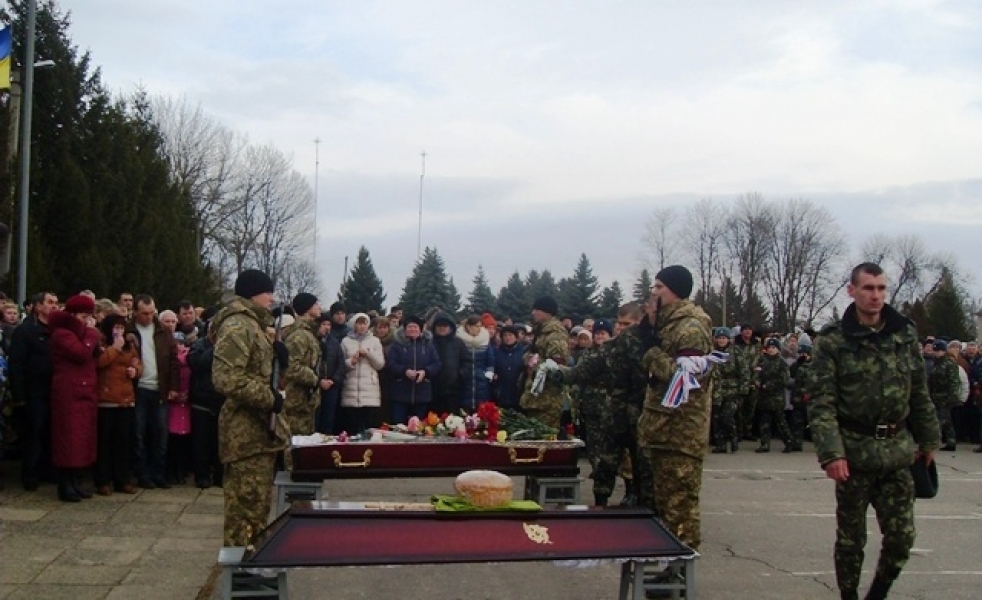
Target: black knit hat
[
  {"x": 546, "y": 304},
  {"x": 252, "y": 282},
  {"x": 603, "y": 325},
  {"x": 336, "y": 308},
  {"x": 303, "y": 301},
  {"x": 676, "y": 278},
  {"x": 776, "y": 343},
  {"x": 413, "y": 319}
]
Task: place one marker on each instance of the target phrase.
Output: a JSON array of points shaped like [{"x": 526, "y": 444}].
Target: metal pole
[
  {"x": 25, "y": 151},
  {"x": 419, "y": 231},
  {"x": 317, "y": 164}
]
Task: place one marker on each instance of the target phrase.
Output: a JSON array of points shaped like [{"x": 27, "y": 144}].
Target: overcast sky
[{"x": 555, "y": 127}]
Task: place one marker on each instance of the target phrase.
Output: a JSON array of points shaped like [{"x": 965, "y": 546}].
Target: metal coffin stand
[{"x": 652, "y": 558}]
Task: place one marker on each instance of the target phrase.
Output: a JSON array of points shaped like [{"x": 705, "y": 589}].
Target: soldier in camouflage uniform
[
  {"x": 620, "y": 365},
  {"x": 773, "y": 379},
  {"x": 242, "y": 371},
  {"x": 551, "y": 341},
  {"x": 943, "y": 385},
  {"x": 302, "y": 381},
  {"x": 730, "y": 381},
  {"x": 747, "y": 353},
  {"x": 675, "y": 438},
  {"x": 869, "y": 406},
  {"x": 801, "y": 387}
]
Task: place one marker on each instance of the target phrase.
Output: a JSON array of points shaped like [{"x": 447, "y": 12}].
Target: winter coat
[
  {"x": 179, "y": 410},
  {"x": 416, "y": 355},
  {"x": 301, "y": 376},
  {"x": 30, "y": 362},
  {"x": 508, "y": 370},
  {"x": 773, "y": 378},
  {"x": 165, "y": 353},
  {"x": 115, "y": 388},
  {"x": 477, "y": 386},
  {"x": 203, "y": 394},
  {"x": 74, "y": 391},
  {"x": 331, "y": 365},
  {"x": 241, "y": 371},
  {"x": 361, "y": 380},
  {"x": 453, "y": 355},
  {"x": 551, "y": 341}
]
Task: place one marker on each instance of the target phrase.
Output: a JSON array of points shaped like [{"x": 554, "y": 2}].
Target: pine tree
[
  {"x": 642, "y": 287},
  {"x": 539, "y": 285},
  {"x": 577, "y": 294},
  {"x": 610, "y": 301},
  {"x": 481, "y": 299},
  {"x": 362, "y": 289},
  {"x": 453, "y": 298},
  {"x": 428, "y": 287},
  {"x": 513, "y": 299},
  {"x": 947, "y": 311}
]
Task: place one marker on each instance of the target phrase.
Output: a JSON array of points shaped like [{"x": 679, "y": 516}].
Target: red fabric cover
[{"x": 74, "y": 391}]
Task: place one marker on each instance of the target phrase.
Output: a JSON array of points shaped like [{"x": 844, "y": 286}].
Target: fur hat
[
  {"x": 252, "y": 282},
  {"x": 676, "y": 278},
  {"x": 303, "y": 302},
  {"x": 80, "y": 304},
  {"x": 546, "y": 304}
]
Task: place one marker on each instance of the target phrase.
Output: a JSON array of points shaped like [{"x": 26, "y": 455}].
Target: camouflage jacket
[
  {"x": 729, "y": 379},
  {"x": 684, "y": 329},
  {"x": 592, "y": 393},
  {"x": 748, "y": 357},
  {"x": 305, "y": 352},
  {"x": 551, "y": 341},
  {"x": 241, "y": 371},
  {"x": 868, "y": 377},
  {"x": 774, "y": 379},
  {"x": 943, "y": 383},
  {"x": 619, "y": 365},
  {"x": 802, "y": 382}
]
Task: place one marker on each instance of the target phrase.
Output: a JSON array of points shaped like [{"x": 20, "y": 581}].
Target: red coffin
[{"x": 425, "y": 458}]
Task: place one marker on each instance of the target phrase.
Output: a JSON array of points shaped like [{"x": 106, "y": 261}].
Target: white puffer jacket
[{"x": 361, "y": 384}]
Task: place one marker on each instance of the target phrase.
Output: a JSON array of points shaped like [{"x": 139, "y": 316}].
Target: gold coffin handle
[
  {"x": 513, "y": 456},
  {"x": 366, "y": 459}
]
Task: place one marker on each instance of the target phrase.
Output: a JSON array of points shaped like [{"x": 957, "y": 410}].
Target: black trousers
[
  {"x": 204, "y": 440},
  {"x": 357, "y": 420},
  {"x": 114, "y": 454}
]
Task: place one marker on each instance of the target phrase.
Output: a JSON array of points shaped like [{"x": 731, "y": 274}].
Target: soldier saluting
[
  {"x": 242, "y": 371},
  {"x": 870, "y": 405}
]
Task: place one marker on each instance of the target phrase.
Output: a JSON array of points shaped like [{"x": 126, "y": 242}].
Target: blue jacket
[
  {"x": 418, "y": 355},
  {"x": 477, "y": 386},
  {"x": 508, "y": 367}
]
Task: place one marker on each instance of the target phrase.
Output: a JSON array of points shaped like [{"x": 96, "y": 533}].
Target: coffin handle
[
  {"x": 513, "y": 456},
  {"x": 366, "y": 459}
]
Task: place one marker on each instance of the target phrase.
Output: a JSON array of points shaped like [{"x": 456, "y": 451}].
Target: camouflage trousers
[
  {"x": 299, "y": 410},
  {"x": 767, "y": 417},
  {"x": 596, "y": 420},
  {"x": 247, "y": 487},
  {"x": 799, "y": 419},
  {"x": 947, "y": 424},
  {"x": 724, "y": 421},
  {"x": 892, "y": 497},
  {"x": 679, "y": 482}
]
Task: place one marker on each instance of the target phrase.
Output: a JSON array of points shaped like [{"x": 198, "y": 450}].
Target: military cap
[{"x": 773, "y": 342}]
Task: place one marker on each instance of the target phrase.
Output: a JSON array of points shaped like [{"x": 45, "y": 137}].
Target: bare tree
[
  {"x": 704, "y": 225},
  {"x": 299, "y": 276},
  {"x": 749, "y": 235},
  {"x": 659, "y": 240},
  {"x": 804, "y": 255},
  {"x": 910, "y": 268}
]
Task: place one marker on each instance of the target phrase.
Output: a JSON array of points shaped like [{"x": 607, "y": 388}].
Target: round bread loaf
[{"x": 484, "y": 489}]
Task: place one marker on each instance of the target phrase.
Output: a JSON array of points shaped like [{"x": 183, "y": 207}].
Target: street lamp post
[{"x": 25, "y": 151}]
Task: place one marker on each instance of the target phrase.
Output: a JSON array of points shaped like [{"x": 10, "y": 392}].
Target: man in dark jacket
[
  {"x": 30, "y": 385},
  {"x": 206, "y": 404},
  {"x": 157, "y": 384},
  {"x": 339, "y": 325},
  {"x": 330, "y": 369},
  {"x": 454, "y": 361}
]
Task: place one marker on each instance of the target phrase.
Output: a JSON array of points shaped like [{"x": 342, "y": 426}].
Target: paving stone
[
  {"x": 100, "y": 557},
  {"x": 169, "y": 591},
  {"x": 22, "y": 571},
  {"x": 7, "y": 590},
  {"x": 174, "y": 495},
  {"x": 82, "y": 575},
  {"x": 205, "y": 509},
  {"x": 141, "y": 510},
  {"x": 21, "y": 514},
  {"x": 195, "y": 520},
  {"x": 206, "y": 544},
  {"x": 191, "y": 575},
  {"x": 60, "y": 592},
  {"x": 119, "y": 543},
  {"x": 78, "y": 516}
]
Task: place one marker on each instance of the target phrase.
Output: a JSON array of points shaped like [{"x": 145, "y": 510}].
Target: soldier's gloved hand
[
  {"x": 282, "y": 354},
  {"x": 653, "y": 381},
  {"x": 555, "y": 376},
  {"x": 277, "y": 401}
]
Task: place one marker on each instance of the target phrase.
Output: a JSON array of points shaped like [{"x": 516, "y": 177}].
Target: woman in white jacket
[{"x": 361, "y": 396}]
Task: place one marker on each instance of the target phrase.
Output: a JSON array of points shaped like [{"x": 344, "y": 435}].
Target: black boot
[
  {"x": 66, "y": 489},
  {"x": 80, "y": 491},
  {"x": 848, "y": 594},
  {"x": 734, "y": 445},
  {"x": 600, "y": 500},
  {"x": 878, "y": 589},
  {"x": 762, "y": 449},
  {"x": 719, "y": 449}
]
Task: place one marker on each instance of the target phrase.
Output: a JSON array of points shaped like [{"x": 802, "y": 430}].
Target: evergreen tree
[
  {"x": 362, "y": 290},
  {"x": 642, "y": 287},
  {"x": 712, "y": 303},
  {"x": 513, "y": 299},
  {"x": 611, "y": 299},
  {"x": 428, "y": 287},
  {"x": 577, "y": 294},
  {"x": 453, "y": 298},
  {"x": 947, "y": 311},
  {"x": 539, "y": 285},
  {"x": 481, "y": 299}
]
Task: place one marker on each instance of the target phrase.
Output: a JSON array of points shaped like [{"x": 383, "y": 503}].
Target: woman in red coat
[{"x": 74, "y": 395}]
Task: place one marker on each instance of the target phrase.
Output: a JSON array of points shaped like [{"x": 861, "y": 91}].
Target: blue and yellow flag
[{"x": 5, "y": 58}]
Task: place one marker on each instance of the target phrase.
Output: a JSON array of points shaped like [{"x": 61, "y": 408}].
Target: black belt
[{"x": 880, "y": 431}]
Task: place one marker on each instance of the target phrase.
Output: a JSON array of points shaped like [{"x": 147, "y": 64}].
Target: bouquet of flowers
[{"x": 482, "y": 425}]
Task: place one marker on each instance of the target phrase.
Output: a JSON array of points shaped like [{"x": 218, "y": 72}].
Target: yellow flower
[
  {"x": 432, "y": 419},
  {"x": 502, "y": 435}
]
